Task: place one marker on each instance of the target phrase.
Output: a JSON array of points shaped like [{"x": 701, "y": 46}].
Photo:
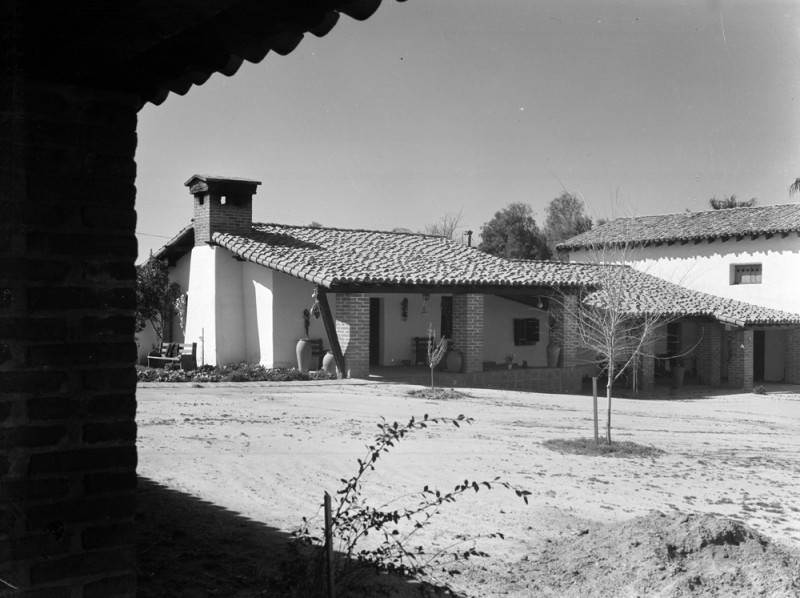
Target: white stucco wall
[
  {"x": 200, "y": 310},
  {"x": 706, "y": 267},
  {"x": 257, "y": 305},
  {"x": 498, "y": 329},
  {"x": 396, "y": 334},
  {"x": 290, "y": 297},
  {"x": 215, "y": 310}
]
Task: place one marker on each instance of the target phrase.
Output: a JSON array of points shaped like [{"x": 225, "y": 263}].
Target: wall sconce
[{"x": 404, "y": 308}]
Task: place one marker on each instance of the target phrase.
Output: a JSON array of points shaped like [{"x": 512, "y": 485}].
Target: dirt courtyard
[{"x": 267, "y": 451}]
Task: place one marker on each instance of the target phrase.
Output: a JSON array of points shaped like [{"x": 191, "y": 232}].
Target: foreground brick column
[
  {"x": 710, "y": 355},
  {"x": 67, "y": 381},
  {"x": 740, "y": 364},
  {"x": 792, "y": 356},
  {"x": 352, "y": 327},
  {"x": 468, "y": 330}
]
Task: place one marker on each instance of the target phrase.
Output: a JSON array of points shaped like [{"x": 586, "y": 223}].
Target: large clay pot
[
  {"x": 454, "y": 362},
  {"x": 303, "y": 351},
  {"x": 553, "y": 353},
  {"x": 329, "y": 363}
]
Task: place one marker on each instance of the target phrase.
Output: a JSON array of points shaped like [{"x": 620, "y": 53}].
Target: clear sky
[{"x": 434, "y": 107}]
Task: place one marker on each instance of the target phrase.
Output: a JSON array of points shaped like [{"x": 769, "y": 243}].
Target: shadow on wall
[{"x": 188, "y": 547}]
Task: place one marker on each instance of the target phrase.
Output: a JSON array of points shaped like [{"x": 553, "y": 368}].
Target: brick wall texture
[
  {"x": 709, "y": 355},
  {"x": 352, "y": 327},
  {"x": 67, "y": 381},
  {"x": 468, "y": 330},
  {"x": 792, "y": 356},
  {"x": 567, "y": 326},
  {"x": 210, "y": 216},
  {"x": 740, "y": 359}
]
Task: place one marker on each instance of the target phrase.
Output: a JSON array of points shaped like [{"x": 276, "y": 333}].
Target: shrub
[
  {"x": 240, "y": 372},
  {"x": 354, "y": 519}
]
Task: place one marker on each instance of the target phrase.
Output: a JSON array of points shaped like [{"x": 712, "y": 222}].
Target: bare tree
[
  {"x": 446, "y": 226},
  {"x": 612, "y": 331}
]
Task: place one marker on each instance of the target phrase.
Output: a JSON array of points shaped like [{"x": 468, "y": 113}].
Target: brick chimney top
[
  {"x": 202, "y": 183},
  {"x": 221, "y": 204}
]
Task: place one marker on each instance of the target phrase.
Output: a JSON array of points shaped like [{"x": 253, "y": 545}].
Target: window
[
  {"x": 746, "y": 274},
  {"x": 526, "y": 331}
]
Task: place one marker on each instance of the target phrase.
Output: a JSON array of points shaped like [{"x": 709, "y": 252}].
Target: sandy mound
[{"x": 664, "y": 555}]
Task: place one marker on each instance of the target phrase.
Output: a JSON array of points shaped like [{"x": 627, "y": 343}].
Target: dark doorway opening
[
  {"x": 374, "y": 331},
  {"x": 446, "y": 323},
  {"x": 758, "y": 355},
  {"x": 673, "y": 339}
]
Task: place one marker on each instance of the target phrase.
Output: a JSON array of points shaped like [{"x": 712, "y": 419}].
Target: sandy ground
[{"x": 268, "y": 451}]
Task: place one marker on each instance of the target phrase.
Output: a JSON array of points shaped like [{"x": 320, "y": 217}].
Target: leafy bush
[
  {"x": 354, "y": 519},
  {"x": 239, "y": 372}
]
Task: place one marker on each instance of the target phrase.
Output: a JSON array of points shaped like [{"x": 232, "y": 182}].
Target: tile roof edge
[{"x": 357, "y": 230}]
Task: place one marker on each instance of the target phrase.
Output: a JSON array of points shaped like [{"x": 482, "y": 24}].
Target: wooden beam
[{"x": 330, "y": 330}]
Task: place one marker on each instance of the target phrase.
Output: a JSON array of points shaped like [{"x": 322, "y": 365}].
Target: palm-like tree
[{"x": 794, "y": 188}]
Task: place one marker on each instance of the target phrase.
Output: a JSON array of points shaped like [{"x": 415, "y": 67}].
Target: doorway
[
  {"x": 374, "y": 331},
  {"x": 758, "y": 355}
]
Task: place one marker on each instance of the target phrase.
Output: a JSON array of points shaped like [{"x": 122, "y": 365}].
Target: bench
[{"x": 183, "y": 354}]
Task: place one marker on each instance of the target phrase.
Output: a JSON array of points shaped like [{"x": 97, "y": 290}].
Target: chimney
[{"x": 221, "y": 205}]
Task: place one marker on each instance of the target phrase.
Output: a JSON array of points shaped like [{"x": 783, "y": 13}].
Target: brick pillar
[
  {"x": 710, "y": 355},
  {"x": 740, "y": 362},
  {"x": 647, "y": 370},
  {"x": 352, "y": 327},
  {"x": 468, "y": 330},
  {"x": 792, "y": 357},
  {"x": 67, "y": 351},
  {"x": 568, "y": 328}
]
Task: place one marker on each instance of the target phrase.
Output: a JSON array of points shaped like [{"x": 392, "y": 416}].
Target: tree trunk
[
  {"x": 609, "y": 385},
  {"x": 432, "y": 388}
]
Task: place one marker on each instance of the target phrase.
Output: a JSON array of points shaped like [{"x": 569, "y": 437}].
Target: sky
[{"x": 442, "y": 107}]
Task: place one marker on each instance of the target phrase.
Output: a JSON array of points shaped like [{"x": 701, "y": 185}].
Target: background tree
[
  {"x": 565, "y": 219},
  {"x": 731, "y": 202},
  {"x": 794, "y": 188},
  {"x": 156, "y": 297},
  {"x": 513, "y": 233},
  {"x": 445, "y": 227}
]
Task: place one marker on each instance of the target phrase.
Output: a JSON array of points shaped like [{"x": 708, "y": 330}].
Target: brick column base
[
  {"x": 352, "y": 327},
  {"x": 792, "y": 356},
  {"x": 468, "y": 330}
]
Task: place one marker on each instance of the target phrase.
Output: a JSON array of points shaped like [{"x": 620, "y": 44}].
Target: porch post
[
  {"x": 792, "y": 357},
  {"x": 740, "y": 360},
  {"x": 569, "y": 331},
  {"x": 330, "y": 330},
  {"x": 468, "y": 329},
  {"x": 352, "y": 328},
  {"x": 710, "y": 354}
]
